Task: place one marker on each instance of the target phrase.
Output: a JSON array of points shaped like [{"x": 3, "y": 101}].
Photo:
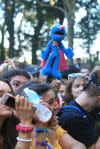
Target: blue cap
[{"x": 32, "y": 69}]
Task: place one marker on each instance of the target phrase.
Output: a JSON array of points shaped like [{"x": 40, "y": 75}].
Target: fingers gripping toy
[{"x": 54, "y": 51}]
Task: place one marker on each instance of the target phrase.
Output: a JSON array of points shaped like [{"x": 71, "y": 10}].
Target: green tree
[
  {"x": 2, "y": 30},
  {"x": 89, "y": 24},
  {"x": 2, "y": 49},
  {"x": 69, "y": 8},
  {"x": 40, "y": 19},
  {"x": 45, "y": 15},
  {"x": 9, "y": 22}
]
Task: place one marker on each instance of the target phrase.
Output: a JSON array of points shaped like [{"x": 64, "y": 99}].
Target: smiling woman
[
  {"x": 7, "y": 120},
  {"x": 76, "y": 82}
]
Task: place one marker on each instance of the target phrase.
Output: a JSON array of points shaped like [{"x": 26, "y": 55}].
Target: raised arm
[
  {"x": 46, "y": 51},
  {"x": 25, "y": 113},
  {"x": 26, "y": 139},
  {"x": 68, "y": 52}
]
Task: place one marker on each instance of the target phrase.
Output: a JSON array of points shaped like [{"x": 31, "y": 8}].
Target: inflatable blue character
[{"x": 54, "y": 51}]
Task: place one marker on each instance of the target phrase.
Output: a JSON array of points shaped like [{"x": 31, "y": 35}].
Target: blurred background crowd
[{"x": 24, "y": 32}]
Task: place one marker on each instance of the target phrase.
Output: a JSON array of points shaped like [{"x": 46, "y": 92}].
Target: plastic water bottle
[{"x": 43, "y": 113}]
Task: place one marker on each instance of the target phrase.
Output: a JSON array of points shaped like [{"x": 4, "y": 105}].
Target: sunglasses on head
[{"x": 75, "y": 75}]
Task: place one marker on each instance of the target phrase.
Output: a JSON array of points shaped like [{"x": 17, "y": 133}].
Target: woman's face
[
  {"x": 4, "y": 110},
  {"x": 49, "y": 97},
  {"x": 77, "y": 87}
]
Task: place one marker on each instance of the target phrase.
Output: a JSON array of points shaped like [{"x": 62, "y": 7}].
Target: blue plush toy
[{"x": 51, "y": 55}]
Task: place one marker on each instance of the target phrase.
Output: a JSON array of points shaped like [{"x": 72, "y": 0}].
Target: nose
[{"x": 62, "y": 26}]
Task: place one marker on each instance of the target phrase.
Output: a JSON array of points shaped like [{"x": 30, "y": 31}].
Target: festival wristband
[
  {"x": 43, "y": 144},
  {"x": 24, "y": 140},
  {"x": 24, "y": 129},
  {"x": 41, "y": 130}
]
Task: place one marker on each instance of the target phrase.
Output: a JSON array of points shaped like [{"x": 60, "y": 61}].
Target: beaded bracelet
[
  {"x": 41, "y": 130},
  {"x": 24, "y": 129},
  {"x": 43, "y": 144},
  {"x": 23, "y": 140}
]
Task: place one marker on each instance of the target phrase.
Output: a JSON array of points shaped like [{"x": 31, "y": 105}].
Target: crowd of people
[{"x": 67, "y": 115}]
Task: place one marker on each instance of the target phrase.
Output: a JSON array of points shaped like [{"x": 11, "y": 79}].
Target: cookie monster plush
[{"x": 54, "y": 51}]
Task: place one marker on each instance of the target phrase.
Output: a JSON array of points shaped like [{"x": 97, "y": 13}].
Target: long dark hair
[
  {"x": 7, "y": 82},
  {"x": 9, "y": 133},
  {"x": 8, "y": 128},
  {"x": 69, "y": 95}
]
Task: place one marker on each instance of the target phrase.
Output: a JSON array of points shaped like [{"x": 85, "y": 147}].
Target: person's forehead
[
  {"x": 20, "y": 78},
  {"x": 4, "y": 86},
  {"x": 57, "y": 81},
  {"x": 49, "y": 94},
  {"x": 79, "y": 80}
]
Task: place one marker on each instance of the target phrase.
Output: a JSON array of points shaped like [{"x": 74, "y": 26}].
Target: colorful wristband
[
  {"x": 24, "y": 129},
  {"x": 41, "y": 130},
  {"x": 43, "y": 144},
  {"x": 23, "y": 140}
]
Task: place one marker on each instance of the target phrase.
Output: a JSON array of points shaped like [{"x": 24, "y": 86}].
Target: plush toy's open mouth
[{"x": 59, "y": 33}]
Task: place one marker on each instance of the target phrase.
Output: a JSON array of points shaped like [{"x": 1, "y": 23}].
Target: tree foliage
[
  {"x": 89, "y": 24},
  {"x": 31, "y": 31}
]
